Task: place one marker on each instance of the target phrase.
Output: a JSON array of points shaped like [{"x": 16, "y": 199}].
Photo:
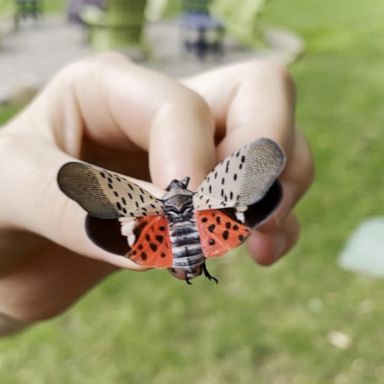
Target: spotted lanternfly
[{"x": 180, "y": 230}]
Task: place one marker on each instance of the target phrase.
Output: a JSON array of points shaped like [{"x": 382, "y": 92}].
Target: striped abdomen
[{"x": 186, "y": 248}]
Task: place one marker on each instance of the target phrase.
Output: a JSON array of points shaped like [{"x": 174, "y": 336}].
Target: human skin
[{"x": 111, "y": 112}]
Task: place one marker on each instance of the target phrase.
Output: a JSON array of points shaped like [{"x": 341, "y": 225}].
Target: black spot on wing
[
  {"x": 227, "y": 165},
  {"x": 159, "y": 238}
]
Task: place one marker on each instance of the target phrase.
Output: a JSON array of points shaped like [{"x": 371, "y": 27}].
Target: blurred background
[{"x": 304, "y": 320}]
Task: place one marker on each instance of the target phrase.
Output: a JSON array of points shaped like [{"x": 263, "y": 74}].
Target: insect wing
[
  {"x": 242, "y": 178},
  {"x": 153, "y": 246},
  {"x": 105, "y": 194},
  {"x": 219, "y": 233}
]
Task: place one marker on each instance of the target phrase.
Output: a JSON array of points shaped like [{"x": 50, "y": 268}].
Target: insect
[{"x": 182, "y": 229}]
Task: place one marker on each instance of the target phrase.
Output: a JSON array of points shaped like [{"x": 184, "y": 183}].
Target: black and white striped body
[
  {"x": 187, "y": 253},
  {"x": 188, "y": 257}
]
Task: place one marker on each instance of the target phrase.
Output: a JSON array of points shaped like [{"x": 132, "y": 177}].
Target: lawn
[{"x": 259, "y": 325}]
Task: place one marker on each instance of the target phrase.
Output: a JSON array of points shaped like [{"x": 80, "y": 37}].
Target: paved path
[{"x": 31, "y": 56}]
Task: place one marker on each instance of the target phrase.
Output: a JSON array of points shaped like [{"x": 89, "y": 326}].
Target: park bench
[{"x": 202, "y": 33}]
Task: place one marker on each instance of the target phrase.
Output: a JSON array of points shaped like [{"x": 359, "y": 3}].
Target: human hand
[{"x": 112, "y": 113}]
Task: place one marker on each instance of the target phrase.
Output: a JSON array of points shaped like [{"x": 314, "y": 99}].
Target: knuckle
[
  {"x": 194, "y": 100},
  {"x": 71, "y": 73},
  {"x": 191, "y": 104},
  {"x": 89, "y": 66},
  {"x": 110, "y": 57},
  {"x": 267, "y": 71},
  {"x": 199, "y": 105}
]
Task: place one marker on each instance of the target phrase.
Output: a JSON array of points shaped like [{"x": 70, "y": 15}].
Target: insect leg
[{"x": 208, "y": 275}]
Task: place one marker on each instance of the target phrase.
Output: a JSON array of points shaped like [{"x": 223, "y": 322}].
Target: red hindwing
[
  {"x": 152, "y": 247},
  {"x": 218, "y": 232}
]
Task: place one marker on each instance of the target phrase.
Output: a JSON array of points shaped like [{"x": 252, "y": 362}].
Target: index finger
[{"x": 123, "y": 105}]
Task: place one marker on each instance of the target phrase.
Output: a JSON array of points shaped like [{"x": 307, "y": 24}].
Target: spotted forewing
[
  {"x": 243, "y": 178},
  {"x": 105, "y": 194}
]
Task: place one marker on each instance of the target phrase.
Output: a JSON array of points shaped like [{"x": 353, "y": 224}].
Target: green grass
[{"x": 260, "y": 325}]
